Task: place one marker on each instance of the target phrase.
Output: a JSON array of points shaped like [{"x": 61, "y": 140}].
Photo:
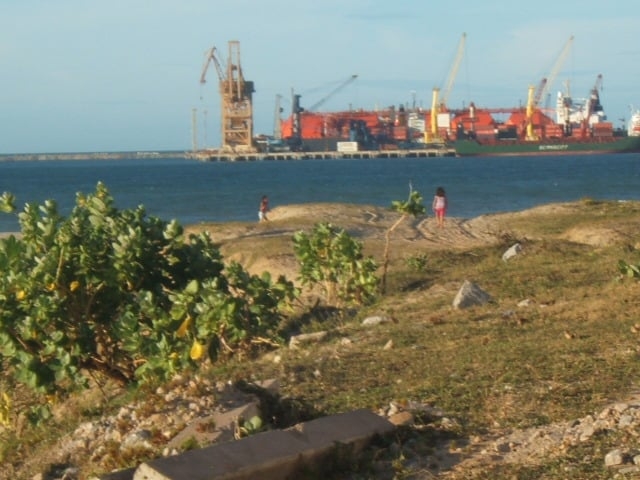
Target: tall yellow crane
[
  {"x": 439, "y": 102},
  {"x": 236, "y": 99},
  {"x": 448, "y": 86},
  {"x": 534, "y": 96}
]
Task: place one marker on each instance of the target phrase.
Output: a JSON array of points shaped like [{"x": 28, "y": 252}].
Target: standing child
[
  {"x": 264, "y": 208},
  {"x": 440, "y": 205}
]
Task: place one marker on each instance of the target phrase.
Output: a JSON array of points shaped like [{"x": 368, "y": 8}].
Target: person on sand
[
  {"x": 264, "y": 208},
  {"x": 440, "y": 205}
]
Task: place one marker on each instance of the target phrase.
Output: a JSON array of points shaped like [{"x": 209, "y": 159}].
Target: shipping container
[{"x": 347, "y": 147}]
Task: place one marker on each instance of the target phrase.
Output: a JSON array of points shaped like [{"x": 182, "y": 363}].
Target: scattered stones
[{"x": 537, "y": 444}]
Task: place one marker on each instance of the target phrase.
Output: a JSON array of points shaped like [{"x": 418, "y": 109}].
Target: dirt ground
[{"x": 370, "y": 224}]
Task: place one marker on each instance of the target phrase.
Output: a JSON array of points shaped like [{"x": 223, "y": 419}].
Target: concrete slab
[
  {"x": 232, "y": 460},
  {"x": 351, "y": 427},
  {"x": 271, "y": 455}
]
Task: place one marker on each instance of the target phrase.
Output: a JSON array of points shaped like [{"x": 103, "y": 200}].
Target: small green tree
[
  {"x": 331, "y": 258},
  {"x": 412, "y": 206}
]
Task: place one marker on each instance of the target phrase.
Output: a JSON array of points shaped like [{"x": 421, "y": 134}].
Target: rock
[
  {"x": 376, "y": 320},
  {"x": 138, "y": 439},
  {"x": 613, "y": 458},
  {"x": 401, "y": 418},
  {"x": 470, "y": 295},
  {"x": 315, "y": 337},
  {"x": 511, "y": 252}
]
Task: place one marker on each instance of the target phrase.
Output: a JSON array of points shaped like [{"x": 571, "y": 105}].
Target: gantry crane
[
  {"x": 439, "y": 102},
  {"x": 236, "y": 99}
]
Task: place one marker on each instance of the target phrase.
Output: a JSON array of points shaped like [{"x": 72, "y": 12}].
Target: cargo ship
[{"x": 578, "y": 127}]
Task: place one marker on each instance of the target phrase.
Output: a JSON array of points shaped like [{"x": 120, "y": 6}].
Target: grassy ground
[{"x": 572, "y": 349}]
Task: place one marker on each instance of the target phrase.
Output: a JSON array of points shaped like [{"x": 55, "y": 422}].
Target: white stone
[
  {"x": 375, "y": 320},
  {"x": 614, "y": 457},
  {"x": 512, "y": 252}
]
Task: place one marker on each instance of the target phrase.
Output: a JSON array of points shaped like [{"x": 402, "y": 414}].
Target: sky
[{"x": 124, "y": 75}]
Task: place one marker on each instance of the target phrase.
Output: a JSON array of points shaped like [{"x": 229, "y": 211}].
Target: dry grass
[{"x": 499, "y": 366}]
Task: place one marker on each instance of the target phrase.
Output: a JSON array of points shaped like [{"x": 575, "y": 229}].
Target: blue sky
[{"x": 81, "y": 75}]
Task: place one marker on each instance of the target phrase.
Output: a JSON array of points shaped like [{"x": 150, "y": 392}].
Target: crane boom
[
  {"x": 536, "y": 94},
  {"x": 211, "y": 57},
  {"x": 446, "y": 90},
  {"x": 438, "y": 100},
  {"x": 317, "y": 105},
  {"x": 547, "y": 82}
]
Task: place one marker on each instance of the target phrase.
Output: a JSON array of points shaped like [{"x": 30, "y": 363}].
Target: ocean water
[{"x": 193, "y": 192}]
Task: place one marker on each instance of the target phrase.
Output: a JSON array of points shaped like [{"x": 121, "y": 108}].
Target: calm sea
[{"x": 193, "y": 192}]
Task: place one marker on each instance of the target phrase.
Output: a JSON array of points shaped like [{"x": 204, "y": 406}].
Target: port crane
[
  {"x": 236, "y": 99},
  {"x": 295, "y": 141},
  {"x": 277, "y": 121},
  {"x": 439, "y": 102},
  {"x": 537, "y": 94},
  {"x": 592, "y": 106},
  {"x": 448, "y": 86},
  {"x": 320, "y": 102}
]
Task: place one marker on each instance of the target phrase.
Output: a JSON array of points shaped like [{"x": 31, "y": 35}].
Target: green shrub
[
  {"x": 629, "y": 269},
  {"x": 122, "y": 294},
  {"x": 331, "y": 258}
]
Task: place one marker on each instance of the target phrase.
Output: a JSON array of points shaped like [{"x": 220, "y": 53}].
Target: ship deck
[{"x": 213, "y": 156}]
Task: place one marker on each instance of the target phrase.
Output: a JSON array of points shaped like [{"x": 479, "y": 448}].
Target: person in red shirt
[{"x": 264, "y": 208}]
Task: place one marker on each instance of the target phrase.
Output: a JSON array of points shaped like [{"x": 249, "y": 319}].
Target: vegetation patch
[{"x": 559, "y": 341}]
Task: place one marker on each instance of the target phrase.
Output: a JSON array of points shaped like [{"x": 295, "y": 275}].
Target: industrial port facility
[{"x": 571, "y": 126}]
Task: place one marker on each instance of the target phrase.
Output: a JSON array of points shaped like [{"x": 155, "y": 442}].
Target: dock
[{"x": 219, "y": 156}]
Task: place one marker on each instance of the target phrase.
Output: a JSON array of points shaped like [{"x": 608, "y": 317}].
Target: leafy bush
[
  {"x": 417, "y": 262},
  {"x": 331, "y": 258},
  {"x": 629, "y": 269},
  {"x": 120, "y": 293}
]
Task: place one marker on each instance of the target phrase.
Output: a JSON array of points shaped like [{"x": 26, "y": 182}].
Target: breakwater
[{"x": 16, "y": 157}]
